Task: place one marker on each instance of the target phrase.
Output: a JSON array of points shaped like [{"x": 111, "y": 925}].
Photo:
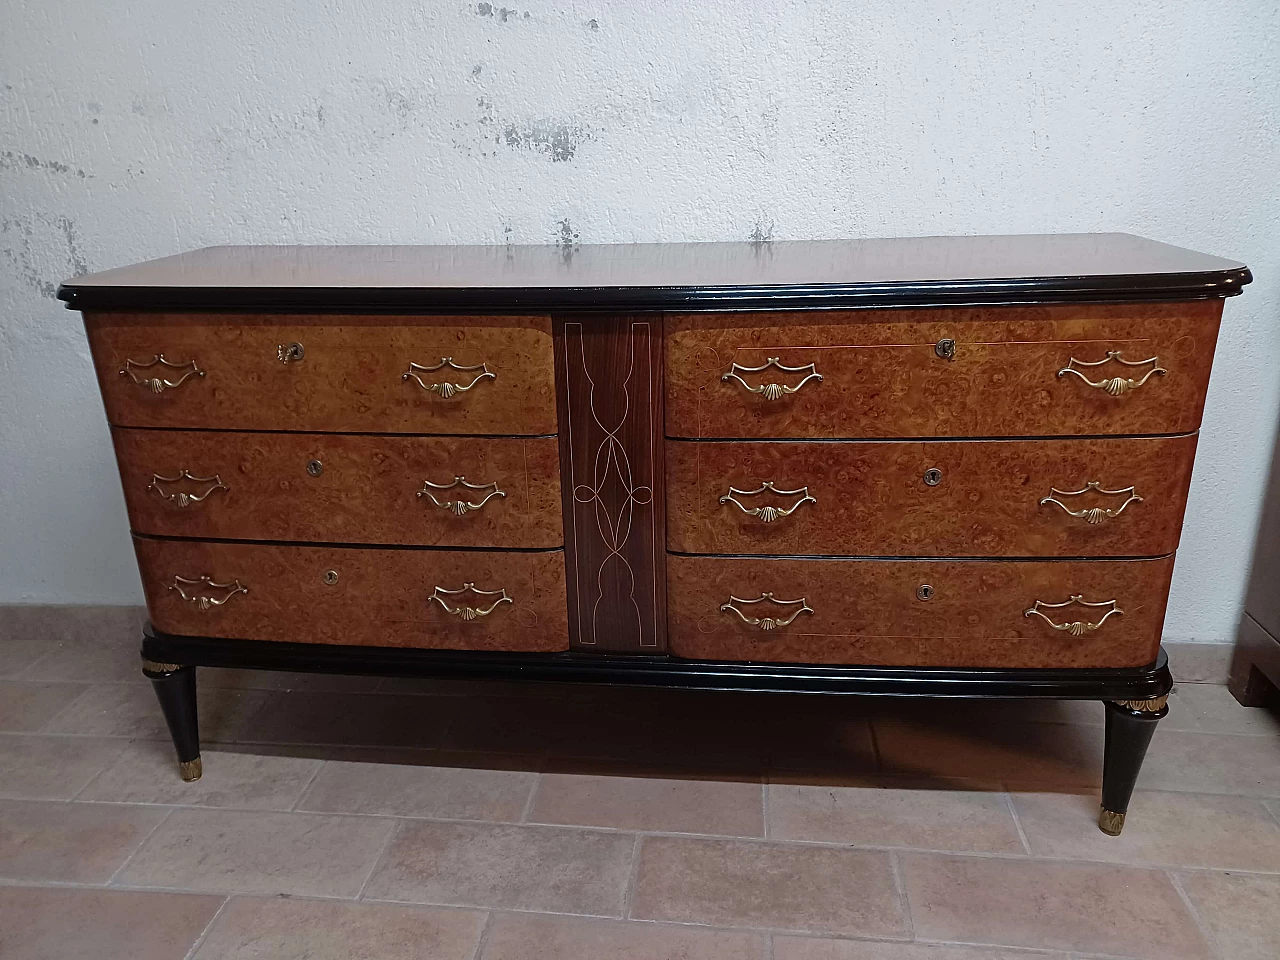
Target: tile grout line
[
  {"x": 1013, "y": 812},
  {"x": 293, "y": 808},
  {"x": 43, "y": 728},
  {"x": 764, "y": 807},
  {"x": 207, "y": 927},
  {"x": 900, "y": 888},
  {"x": 768, "y": 946},
  {"x": 527, "y": 812},
  {"x": 595, "y": 828},
  {"x": 1195, "y": 914},
  {"x": 633, "y": 875},
  {"x": 483, "y": 940},
  {"x": 397, "y": 827},
  {"x": 136, "y": 850}
]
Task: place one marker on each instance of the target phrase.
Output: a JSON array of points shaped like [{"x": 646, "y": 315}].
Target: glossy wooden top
[{"x": 922, "y": 271}]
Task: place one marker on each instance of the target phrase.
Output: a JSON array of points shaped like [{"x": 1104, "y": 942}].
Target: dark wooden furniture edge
[
  {"x": 906, "y": 294},
  {"x": 1255, "y": 664},
  {"x": 1142, "y": 683}
]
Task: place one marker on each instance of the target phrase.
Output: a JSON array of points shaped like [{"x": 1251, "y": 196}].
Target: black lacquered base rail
[{"x": 1135, "y": 697}]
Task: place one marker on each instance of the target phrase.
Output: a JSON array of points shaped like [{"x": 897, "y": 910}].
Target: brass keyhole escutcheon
[
  {"x": 331, "y": 577},
  {"x": 946, "y": 349},
  {"x": 290, "y": 352},
  {"x": 315, "y": 468},
  {"x": 924, "y": 592},
  {"x": 932, "y": 477}
]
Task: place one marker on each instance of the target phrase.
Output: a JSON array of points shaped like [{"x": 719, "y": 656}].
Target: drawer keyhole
[
  {"x": 932, "y": 477},
  {"x": 315, "y": 468},
  {"x": 924, "y": 592},
  {"x": 331, "y": 577},
  {"x": 946, "y": 349}
]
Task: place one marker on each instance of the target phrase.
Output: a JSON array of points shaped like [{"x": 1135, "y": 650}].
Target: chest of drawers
[{"x": 948, "y": 466}]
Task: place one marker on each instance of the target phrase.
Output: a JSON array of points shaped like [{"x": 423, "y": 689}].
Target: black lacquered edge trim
[
  {"x": 1141, "y": 683},
  {"x": 925, "y": 293}
]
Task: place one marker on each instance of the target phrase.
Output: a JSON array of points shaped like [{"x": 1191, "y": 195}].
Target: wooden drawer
[
  {"x": 354, "y": 374},
  {"x": 378, "y": 597},
  {"x": 339, "y": 488},
  {"x": 938, "y": 498},
  {"x": 868, "y": 612},
  {"x": 882, "y": 374}
]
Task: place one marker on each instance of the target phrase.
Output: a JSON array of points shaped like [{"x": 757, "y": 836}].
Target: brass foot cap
[
  {"x": 190, "y": 769},
  {"x": 1109, "y": 822}
]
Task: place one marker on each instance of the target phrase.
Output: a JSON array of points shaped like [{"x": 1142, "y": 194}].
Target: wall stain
[
  {"x": 761, "y": 232},
  {"x": 593, "y": 24},
  {"x": 559, "y": 141},
  {"x": 9, "y": 160},
  {"x": 501, "y": 14}
]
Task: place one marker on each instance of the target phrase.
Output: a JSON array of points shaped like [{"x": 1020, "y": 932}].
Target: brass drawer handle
[
  {"x": 772, "y": 391},
  {"x": 181, "y": 497},
  {"x": 1093, "y": 514},
  {"x": 159, "y": 384},
  {"x": 446, "y": 389},
  {"x": 767, "y": 623},
  {"x": 463, "y": 612},
  {"x": 460, "y": 506},
  {"x": 768, "y": 514},
  {"x": 1114, "y": 386},
  {"x": 1074, "y": 627},
  {"x": 194, "y": 591}
]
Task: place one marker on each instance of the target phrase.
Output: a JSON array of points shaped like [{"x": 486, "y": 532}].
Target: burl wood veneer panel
[
  {"x": 379, "y": 598},
  {"x": 609, "y": 369},
  {"x": 882, "y": 375},
  {"x": 257, "y": 486},
  {"x": 872, "y": 498},
  {"x": 351, "y": 376},
  {"x": 868, "y": 611}
]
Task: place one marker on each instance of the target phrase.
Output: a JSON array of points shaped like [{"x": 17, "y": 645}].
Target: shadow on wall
[{"x": 1255, "y": 666}]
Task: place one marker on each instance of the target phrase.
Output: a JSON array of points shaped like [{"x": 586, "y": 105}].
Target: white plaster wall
[{"x": 139, "y": 129}]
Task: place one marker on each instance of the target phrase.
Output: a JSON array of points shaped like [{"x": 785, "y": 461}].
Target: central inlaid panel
[{"x": 609, "y": 389}]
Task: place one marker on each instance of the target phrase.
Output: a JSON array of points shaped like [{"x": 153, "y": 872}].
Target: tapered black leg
[
  {"x": 1130, "y": 725},
  {"x": 175, "y": 688}
]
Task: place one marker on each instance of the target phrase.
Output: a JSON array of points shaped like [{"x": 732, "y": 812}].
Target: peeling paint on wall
[
  {"x": 558, "y": 141},
  {"x": 502, "y": 14},
  {"x": 10, "y": 160}
]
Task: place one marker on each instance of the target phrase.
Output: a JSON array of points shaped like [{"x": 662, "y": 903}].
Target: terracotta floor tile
[
  {"x": 1169, "y": 829},
  {"x": 807, "y": 948},
  {"x": 51, "y": 768},
  {"x": 65, "y": 924},
  {"x": 1215, "y": 710},
  {"x": 733, "y": 809},
  {"x": 552, "y": 869},
  {"x": 348, "y": 719},
  {"x": 81, "y": 643},
  {"x": 891, "y": 814},
  {"x": 72, "y": 842},
  {"x": 535, "y": 937},
  {"x": 1212, "y": 763},
  {"x": 1242, "y": 913},
  {"x": 27, "y": 705},
  {"x": 131, "y": 710},
  {"x": 147, "y": 772},
  {"x": 20, "y": 647},
  {"x": 259, "y": 853},
  {"x": 277, "y": 929},
  {"x": 1042, "y": 752},
  {"x": 747, "y": 883},
  {"x": 419, "y": 791},
  {"x": 1122, "y": 911}
]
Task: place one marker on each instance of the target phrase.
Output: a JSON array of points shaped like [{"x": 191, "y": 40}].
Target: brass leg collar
[
  {"x": 1110, "y": 822},
  {"x": 192, "y": 769},
  {"x": 1154, "y": 705},
  {"x": 150, "y": 666}
]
